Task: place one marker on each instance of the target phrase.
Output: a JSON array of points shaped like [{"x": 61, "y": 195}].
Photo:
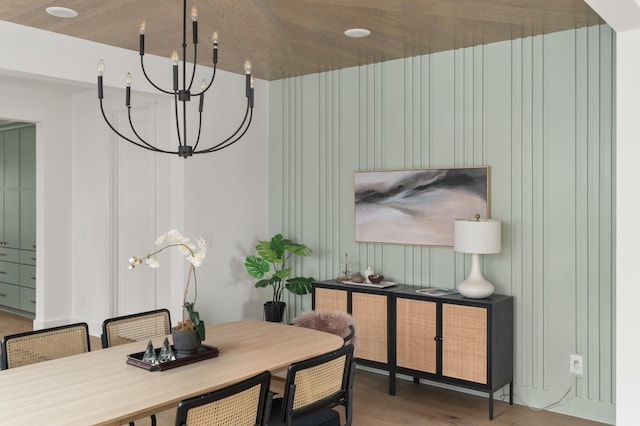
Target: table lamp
[{"x": 476, "y": 236}]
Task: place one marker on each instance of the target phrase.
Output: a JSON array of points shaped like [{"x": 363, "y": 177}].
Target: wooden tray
[{"x": 204, "y": 352}]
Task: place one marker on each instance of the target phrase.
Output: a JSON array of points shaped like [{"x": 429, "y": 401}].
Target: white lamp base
[{"x": 475, "y": 286}]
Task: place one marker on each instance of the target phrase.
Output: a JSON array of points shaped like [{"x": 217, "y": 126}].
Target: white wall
[
  {"x": 222, "y": 195},
  {"x": 624, "y": 17}
]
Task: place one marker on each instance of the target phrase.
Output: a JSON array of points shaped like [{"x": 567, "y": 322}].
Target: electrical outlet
[{"x": 575, "y": 364}]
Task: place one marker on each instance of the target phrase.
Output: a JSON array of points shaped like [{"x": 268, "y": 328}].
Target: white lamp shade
[{"x": 482, "y": 236}]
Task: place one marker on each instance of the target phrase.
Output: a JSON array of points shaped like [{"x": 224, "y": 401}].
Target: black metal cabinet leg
[
  {"x": 392, "y": 383},
  {"x": 490, "y": 405},
  {"x": 511, "y": 392}
]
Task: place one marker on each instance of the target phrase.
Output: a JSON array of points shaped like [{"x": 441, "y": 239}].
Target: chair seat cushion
[{"x": 323, "y": 417}]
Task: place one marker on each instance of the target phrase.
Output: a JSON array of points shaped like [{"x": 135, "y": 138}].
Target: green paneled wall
[{"x": 539, "y": 111}]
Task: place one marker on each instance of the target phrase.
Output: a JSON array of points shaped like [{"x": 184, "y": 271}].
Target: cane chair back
[
  {"x": 241, "y": 404},
  {"x": 136, "y": 327},
  {"x": 314, "y": 387},
  {"x": 43, "y": 345}
]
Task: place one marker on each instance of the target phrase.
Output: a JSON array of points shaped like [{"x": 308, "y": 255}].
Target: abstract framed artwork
[{"x": 418, "y": 207}]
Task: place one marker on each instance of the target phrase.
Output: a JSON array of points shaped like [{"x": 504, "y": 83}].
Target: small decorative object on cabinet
[{"x": 274, "y": 254}]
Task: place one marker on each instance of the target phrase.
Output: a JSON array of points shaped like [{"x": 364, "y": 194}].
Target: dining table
[{"x": 100, "y": 388}]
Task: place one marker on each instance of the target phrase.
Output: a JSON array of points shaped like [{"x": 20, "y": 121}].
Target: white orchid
[{"x": 194, "y": 254}]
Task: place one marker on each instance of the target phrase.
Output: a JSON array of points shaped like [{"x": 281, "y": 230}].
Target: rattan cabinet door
[
  {"x": 370, "y": 314},
  {"x": 464, "y": 342},
  {"x": 330, "y": 300},
  {"x": 415, "y": 334}
]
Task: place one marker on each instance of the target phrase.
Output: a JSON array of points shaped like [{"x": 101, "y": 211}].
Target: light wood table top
[{"x": 98, "y": 387}]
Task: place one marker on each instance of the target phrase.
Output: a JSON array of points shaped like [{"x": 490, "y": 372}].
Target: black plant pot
[
  {"x": 185, "y": 342},
  {"x": 274, "y": 311}
]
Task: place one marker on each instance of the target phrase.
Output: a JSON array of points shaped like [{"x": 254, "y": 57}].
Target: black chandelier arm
[
  {"x": 193, "y": 69},
  {"x": 133, "y": 129},
  {"x": 238, "y": 134},
  {"x": 195, "y": 146},
  {"x": 226, "y": 145},
  {"x": 213, "y": 77},
  {"x": 144, "y": 71},
  {"x": 233, "y": 135},
  {"x": 150, "y": 148}
]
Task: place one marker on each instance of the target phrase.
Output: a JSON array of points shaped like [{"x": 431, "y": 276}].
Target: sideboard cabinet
[
  {"x": 455, "y": 340},
  {"x": 448, "y": 339}
]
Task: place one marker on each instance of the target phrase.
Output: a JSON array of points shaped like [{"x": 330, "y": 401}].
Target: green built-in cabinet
[{"x": 18, "y": 219}]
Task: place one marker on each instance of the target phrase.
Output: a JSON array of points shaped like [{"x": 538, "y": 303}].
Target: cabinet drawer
[
  {"x": 9, "y": 255},
  {"x": 27, "y": 276},
  {"x": 27, "y": 299},
  {"x": 9, "y": 295},
  {"x": 28, "y": 257},
  {"x": 9, "y": 272}
]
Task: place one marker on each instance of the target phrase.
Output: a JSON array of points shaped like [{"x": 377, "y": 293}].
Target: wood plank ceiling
[{"x": 286, "y": 38}]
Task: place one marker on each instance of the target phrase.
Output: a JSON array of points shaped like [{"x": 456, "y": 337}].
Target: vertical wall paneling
[
  {"x": 582, "y": 197},
  {"x": 539, "y": 111}
]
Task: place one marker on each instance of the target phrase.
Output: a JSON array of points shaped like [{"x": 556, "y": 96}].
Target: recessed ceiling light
[
  {"x": 357, "y": 32},
  {"x": 61, "y": 12}
]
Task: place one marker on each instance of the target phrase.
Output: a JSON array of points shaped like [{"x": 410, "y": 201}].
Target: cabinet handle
[
  {"x": 3, "y": 272},
  {"x": 33, "y": 246},
  {"x": 33, "y": 278},
  {"x": 3, "y": 254},
  {"x": 33, "y": 258},
  {"x": 3, "y": 295},
  {"x": 33, "y": 301}
]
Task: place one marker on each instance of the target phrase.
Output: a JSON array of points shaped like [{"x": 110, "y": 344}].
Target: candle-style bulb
[
  {"x": 174, "y": 58},
  {"x": 101, "y": 67},
  {"x": 194, "y": 14},
  {"x": 203, "y": 84},
  {"x": 214, "y": 38},
  {"x": 143, "y": 26},
  {"x": 128, "y": 79},
  {"x": 252, "y": 83},
  {"x": 247, "y": 66}
]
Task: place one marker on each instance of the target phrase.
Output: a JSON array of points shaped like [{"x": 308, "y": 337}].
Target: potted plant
[
  {"x": 269, "y": 267},
  {"x": 190, "y": 332}
]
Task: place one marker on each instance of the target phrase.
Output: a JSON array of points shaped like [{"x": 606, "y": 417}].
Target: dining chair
[
  {"x": 241, "y": 404},
  {"x": 31, "y": 347},
  {"x": 313, "y": 388},
  {"x": 134, "y": 328},
  {"x": 339, "y": 323}
]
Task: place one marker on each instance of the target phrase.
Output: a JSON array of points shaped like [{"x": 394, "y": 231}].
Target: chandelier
[{"x": 183, "y": 94}]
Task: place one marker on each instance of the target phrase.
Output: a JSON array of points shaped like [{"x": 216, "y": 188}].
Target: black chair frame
[
  {"x": 262, "y": 379},
  {"x": 343, "y": 397}
]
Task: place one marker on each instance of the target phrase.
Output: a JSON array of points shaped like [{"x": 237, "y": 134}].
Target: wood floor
[{"x": 414, "y": 404}]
